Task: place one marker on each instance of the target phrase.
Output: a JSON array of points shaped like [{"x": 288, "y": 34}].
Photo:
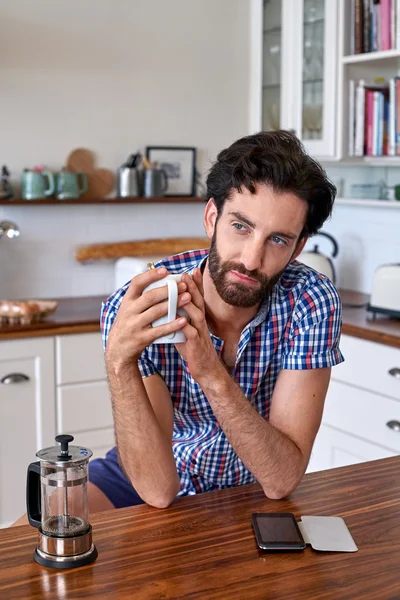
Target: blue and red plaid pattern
[{"x": 298, "y": 327}]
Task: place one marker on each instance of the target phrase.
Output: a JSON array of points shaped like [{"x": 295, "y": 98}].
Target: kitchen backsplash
[{"x": 41, "y": 262}]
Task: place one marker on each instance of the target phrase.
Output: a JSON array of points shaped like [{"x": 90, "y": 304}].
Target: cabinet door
[
  {"x": 315, "y": 78},
  {"x": 333, "y": 448},
  {"x": 27, "y": 416},
  {"x": 271, "y": 64}
]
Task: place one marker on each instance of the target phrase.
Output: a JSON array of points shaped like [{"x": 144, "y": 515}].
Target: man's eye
[
  {"x": 278, "y": 240},
  {"x": 239, "y": 227}
]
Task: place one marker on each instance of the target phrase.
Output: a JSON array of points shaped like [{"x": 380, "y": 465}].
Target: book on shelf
[
  {"x": 374, "y": 118},
  {"x": 374, "y": 25}
]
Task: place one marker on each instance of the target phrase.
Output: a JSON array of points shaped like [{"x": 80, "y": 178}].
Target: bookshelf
[
  {"x": 369, "y": 57},
  {"x": 367, "y": 88}
]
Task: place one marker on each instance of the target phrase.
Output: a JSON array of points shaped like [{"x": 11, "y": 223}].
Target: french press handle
[{"x": 33, "y": 495}]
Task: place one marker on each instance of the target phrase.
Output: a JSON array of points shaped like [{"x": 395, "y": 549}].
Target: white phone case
[{"x": 327, "y": 534}]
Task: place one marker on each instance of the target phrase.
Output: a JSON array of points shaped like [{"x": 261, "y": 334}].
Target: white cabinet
[
  {"x": 361, "y": 419},
  {"x": 294, "y": 70},
  {"x": 334, "y": 448},
  {"x": 49, "y": 386},
  {"x": 82, "y": 396},
  {"x": 27, "y": 416}
]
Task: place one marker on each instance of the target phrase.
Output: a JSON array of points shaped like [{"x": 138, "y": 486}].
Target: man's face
[{"x": 252, "y": 242}]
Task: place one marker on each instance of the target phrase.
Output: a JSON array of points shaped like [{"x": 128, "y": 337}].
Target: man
[{"x": 242, "y": 399}]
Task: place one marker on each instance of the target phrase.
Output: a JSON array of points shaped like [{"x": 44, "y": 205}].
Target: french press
[{"x": 57, "y": 504}]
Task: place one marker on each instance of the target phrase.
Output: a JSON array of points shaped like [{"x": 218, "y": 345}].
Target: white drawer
[
  {"x": 99, "y": 442},
  {"x": 363, "y": 414},
  {"x": 79, "y": 357},
  {"x": 83, "y": 407},
  {"x": 333, "y": 448},
  {"x": 367, "y": 365}
]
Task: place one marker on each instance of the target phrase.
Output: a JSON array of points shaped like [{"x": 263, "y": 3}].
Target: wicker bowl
[{"x": 25, "y": 312}]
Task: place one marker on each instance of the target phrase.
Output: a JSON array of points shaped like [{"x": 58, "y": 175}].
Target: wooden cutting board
[
  {"x": 157, "y": 247},
  {"x": 100, "y": 181}
]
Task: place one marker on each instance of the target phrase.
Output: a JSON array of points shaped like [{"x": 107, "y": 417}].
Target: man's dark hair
[{"x": 278, "y": 159}]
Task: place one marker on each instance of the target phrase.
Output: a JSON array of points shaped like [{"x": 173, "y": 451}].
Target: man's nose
[{"x": 252, "y": 256}]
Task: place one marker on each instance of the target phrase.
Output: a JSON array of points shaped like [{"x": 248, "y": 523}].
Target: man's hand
[
  {"x": 132, "y": 330},
  {"x": 198, "y": 350}
]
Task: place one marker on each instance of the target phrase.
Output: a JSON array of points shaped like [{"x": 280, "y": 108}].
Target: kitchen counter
[
  {"x": 203, "y": 546},
  {"x": 72, "y": 315},
  {"x": 82, "y": 315}
]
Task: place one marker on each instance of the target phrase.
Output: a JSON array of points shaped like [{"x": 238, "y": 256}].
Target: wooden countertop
[
  {"x": 82, "y": 315},
  {"x": 203, "y": 547},
  {"x": 72, "y": 315}
]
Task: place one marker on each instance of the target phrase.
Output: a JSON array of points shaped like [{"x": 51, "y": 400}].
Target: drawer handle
[
  {"x": 395, "y": 372},
  {"x": 395, "y": 425},
  {"x": 14, "y": 378}
]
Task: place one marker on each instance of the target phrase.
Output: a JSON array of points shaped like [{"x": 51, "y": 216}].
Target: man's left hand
[{"x": 198, "y": 350}]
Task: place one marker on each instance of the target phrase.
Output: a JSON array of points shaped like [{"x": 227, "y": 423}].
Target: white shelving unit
[{"x": 279, "y": 62}]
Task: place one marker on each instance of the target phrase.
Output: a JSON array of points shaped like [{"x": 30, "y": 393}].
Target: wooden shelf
[
  {"x": 55, "y": 202},
  {"x": 366, "y": 57},
  {"x": 363, "y": 161},
  {"x": 395, "y": 204}
]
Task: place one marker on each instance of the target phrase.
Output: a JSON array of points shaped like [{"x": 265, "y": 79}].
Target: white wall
[{"x": 112, "y": 76}]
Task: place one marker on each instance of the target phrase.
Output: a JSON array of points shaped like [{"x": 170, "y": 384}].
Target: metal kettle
[{"x": 321, "y": 263}]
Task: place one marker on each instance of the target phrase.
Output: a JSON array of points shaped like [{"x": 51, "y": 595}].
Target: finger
[
  {"x": 152, "y": 297},
  {"x": 194, "y": 291},
  {"x": 161, "y": 330},
  {"x": 197, "y": 316},
  {"x": 159, "y": 310},
  {"x": 141, "y": 281},
  {"x": 190, "y": 332}
]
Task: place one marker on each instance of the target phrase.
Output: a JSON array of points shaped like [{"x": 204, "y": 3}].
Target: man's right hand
[{"x": 132, "y": 331}]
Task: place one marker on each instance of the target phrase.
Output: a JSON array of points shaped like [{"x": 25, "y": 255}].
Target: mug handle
[
  {"x": 84, "y": 185},
  {"x": 50, "y": 190},
  {"x": 172, "y": 303}
]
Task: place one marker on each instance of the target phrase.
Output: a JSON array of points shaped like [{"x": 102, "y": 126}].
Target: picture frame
[{"x": 179, "y": 162}]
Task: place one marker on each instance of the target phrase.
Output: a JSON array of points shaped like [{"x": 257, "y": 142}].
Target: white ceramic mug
[{"x": 172, "y": 282}]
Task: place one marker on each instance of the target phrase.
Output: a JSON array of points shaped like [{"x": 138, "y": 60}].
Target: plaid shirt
[{"x": 298, "y": 327}]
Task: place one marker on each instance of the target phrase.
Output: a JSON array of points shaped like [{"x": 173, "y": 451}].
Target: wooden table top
[
  {"x": 82, "y": 315},
  {"x": 203, "y": 547}
]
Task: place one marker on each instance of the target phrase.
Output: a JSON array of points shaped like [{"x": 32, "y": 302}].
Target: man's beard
[{"x": 236, "y": 293}]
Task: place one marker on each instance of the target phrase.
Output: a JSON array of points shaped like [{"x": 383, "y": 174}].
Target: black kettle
[{"x": 321, "y": 263}]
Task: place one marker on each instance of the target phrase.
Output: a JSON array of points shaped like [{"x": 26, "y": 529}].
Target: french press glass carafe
[{"x": 57, "y": 504}]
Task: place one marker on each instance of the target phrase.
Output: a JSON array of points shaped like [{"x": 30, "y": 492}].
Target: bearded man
[{"x": 241, "y": 400}]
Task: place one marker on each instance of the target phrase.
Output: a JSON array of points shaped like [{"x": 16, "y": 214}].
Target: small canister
[{"x": 129, "y": 183}]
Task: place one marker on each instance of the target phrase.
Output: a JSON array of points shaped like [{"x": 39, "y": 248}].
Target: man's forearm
[
  {"x": 274, "y": 460},
  {"x": 145, "y": 452}
]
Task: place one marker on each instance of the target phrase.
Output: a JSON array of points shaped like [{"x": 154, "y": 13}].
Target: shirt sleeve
[
  {"x": 108, "y": 314},
  {"x": 313, "y": 340},
  {"x": 146, "y": 366}
]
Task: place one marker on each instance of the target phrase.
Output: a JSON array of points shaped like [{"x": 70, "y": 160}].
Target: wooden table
[{"x": 203, "y": 547}]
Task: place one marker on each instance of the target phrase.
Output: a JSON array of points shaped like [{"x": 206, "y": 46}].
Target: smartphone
[{"x": 277, "y": 531}]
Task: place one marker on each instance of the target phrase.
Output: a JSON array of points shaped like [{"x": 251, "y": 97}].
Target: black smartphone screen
[{"x": 277, "y": 531}]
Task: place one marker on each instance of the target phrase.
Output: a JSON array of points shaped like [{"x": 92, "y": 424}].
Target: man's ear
[
  {"x": 299, "y": 249},
  {"x": 210, "y": 217}
]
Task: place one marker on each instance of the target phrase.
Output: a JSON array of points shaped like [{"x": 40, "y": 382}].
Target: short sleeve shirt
[{"x": 297, "y": 327}]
